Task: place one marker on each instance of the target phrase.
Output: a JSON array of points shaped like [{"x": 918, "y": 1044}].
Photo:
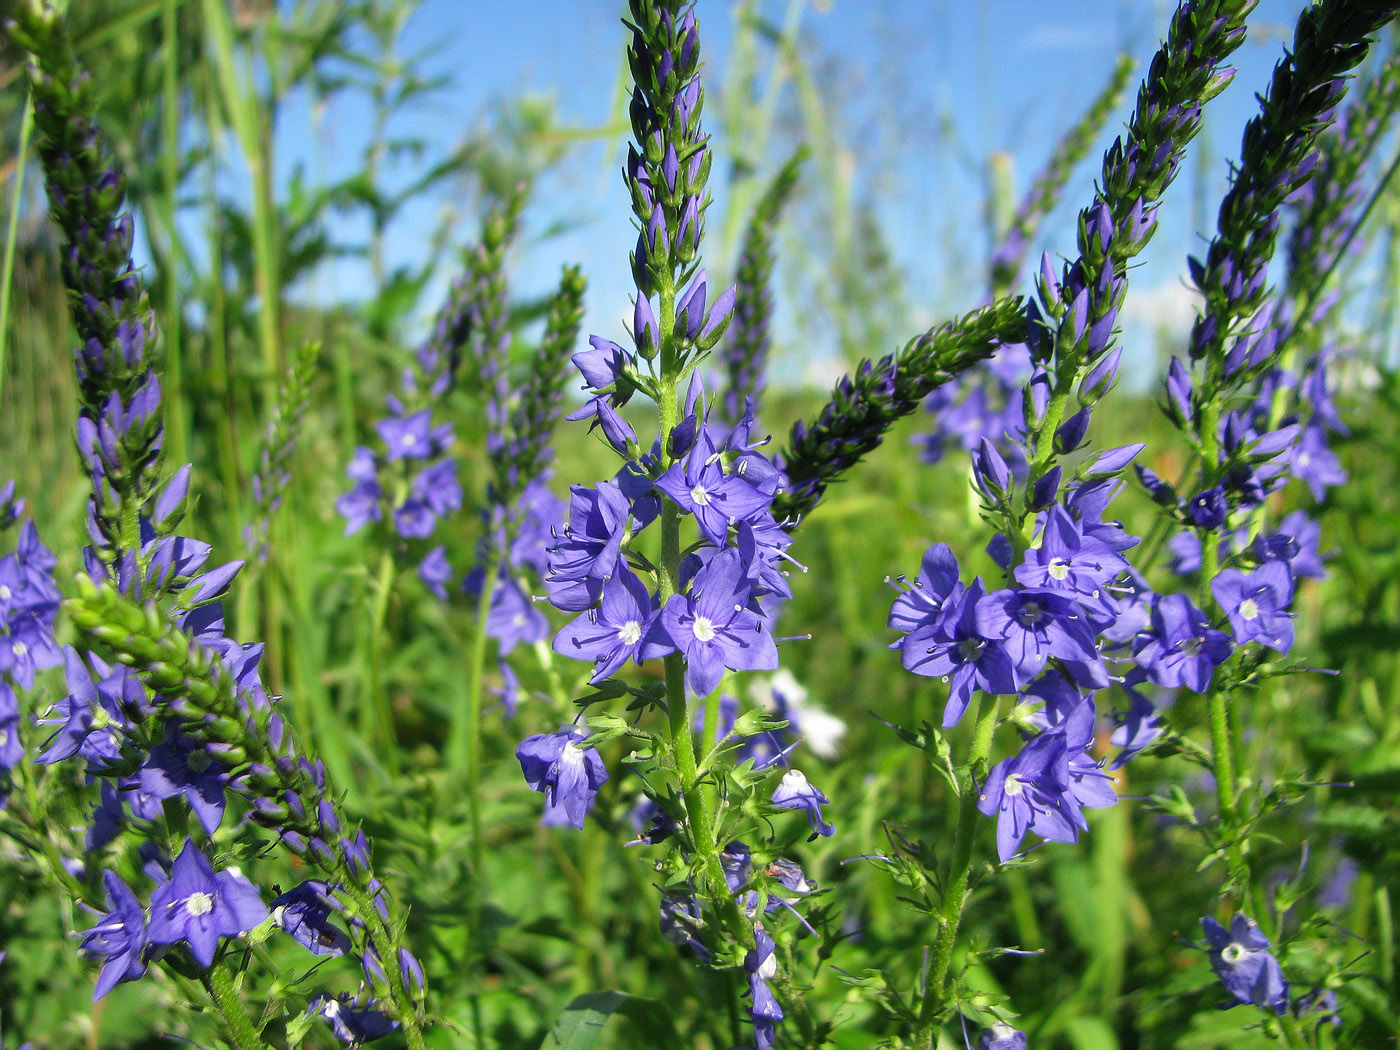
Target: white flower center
[
  {"x": 571, "y": 756},
  {"x": 703, "y": 629},
  {"x": 1058, "y": 569},
  {"x": 5, "y": 593},
  {"x": 518, "y": 620},
  {"x": 768, "y": 968},
  {"x": 795, "y": 780},
  {"x": 630, "y": 633},
  {"x": 1304, "y": 459},
  {"x": 19, "y": 649},
  {"x": 700, "y": 496},
  {"x": 4, "y": 737},
  {"x": 1014, "y": 785},
  {"x": 1233, "y": 952},
  {"x": 199, "y": 903},
  {"x": 409, "y": 441},
  {"x": 1249, "y": 609}
]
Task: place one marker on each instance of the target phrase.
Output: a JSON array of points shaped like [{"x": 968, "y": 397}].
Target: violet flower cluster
[
  {"x": 29, "y": 601},
  {"x": 180, "y": 712}
]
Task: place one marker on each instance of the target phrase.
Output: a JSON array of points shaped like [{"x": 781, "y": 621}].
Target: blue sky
[{"x": 924, "y": 92}]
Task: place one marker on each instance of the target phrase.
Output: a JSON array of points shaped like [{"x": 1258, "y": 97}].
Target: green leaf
[
  {"x": 1091, "y": 1033},
  {"x": 582, "y": 1021}
]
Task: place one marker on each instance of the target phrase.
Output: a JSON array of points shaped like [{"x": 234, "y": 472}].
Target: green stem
[
  {"x": 464, "y": 754},
  {"x": 935, "y": 994},
  {"x": 7, "y": 267},
  {"x": 386, "y": 945},
  {"x": 376, "y": 714},
  {"x": 1293, "y": 1033},
  {"x": 219, "y": 983},
  {"x": 697, "y": 801},
  {"x": 1226, "y": 791}
]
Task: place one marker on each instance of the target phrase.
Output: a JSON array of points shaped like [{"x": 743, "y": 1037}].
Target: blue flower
[
  {"x": 1045, "y": 786},
  {"x": 587, "y": 552},
  {"x": 413, "y": 437},
  {"x": 304, "y": 911},
  {"x": 1245, "y": 967},
  {"x": 920, "y": 604},
  {"x": 761, "y": 964},
  {"x": 119, "y": 936},
  {"x": 1294, "y": 542},
  {"x": 181, "y": 766},
  {"x": 363, "y": 503},
  {"x": 568, "y": 776},
  {"x": 1035, "y": 624},
  {"x": 613, "y": 633},
  {"x": 1001, "y": 1037},
  {"x": 1182, "y": 648},
  {"x": 795, "y": 791},
  {"x": 197, "y": 906},
  {"x": 512, "y": 617},
  {"x": 713, "y": 627},
  {"x": 1068, "y": 560},
  {"x": 351, "y": 1023},
  {"x": 701, "y": 487},
  {"x": 951, "y": 645},
  {"x": 1257, "y": 604}
]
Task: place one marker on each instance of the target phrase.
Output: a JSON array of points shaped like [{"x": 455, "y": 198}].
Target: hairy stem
[
  {"x": 933, "y": 1005},
  {"x": 219, "y": 983}
]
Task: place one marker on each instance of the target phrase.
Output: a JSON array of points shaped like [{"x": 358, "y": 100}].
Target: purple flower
[
  {"x": 435, "y": 572},
  {"x": 713, "y": 627},
  {"x": 11, "y": 747},
  {"x": 613, "y": 633},
  {"x": 951, "y": 646},
  {"x": 569, "y": 776},
  {"x": 198, "y": 905},
  {"x": 718, "y": 500},
  {"x": 413, "y": 436},
  {"x": 1312, "y": 462},
  {"x": 438, "y": 488},
  {"x": 29, "y": 647},
  {"x": 1067, "y": 560},
  {"x": 92, "y": 718},
  {"x": 795, "y": 791},
  {"x": 1240, "y": 959},
  {"x": 1257, "y": 604},
  {"x": 1209, "y": 509},
  {"x": 352, "y": 1024},
  {"x": 1295, "y": 544},
  {"x": 304, "y": 911},
  {"x": 587, "y": 552},
  {"x": 1029, "y": 790},
  {"x": 1045, "y": 786},
  {"x": 181, "y": 766},
  {"x": 1138, "y": 727},
  {"x": 921, "y": 604},
  {"x": 1182, "y": 649},
  {"x": 1001, "y": 1037},
  {"x": 1035, "y": 624},
  {"x": 512, "y": 617},
  {"x": 362, "y": 504},
  {"x": 602, "y": 366},
  {"x": 761, "y": 964},
  {"x": 119, "y": 936}
]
